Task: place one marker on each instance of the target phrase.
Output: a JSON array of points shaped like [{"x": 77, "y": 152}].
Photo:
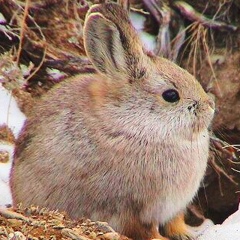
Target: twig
[
  {"x": 23, "y": 23},
  {"x": 39, "y": 66},
  {"x": 13, "y": 215},
  {"x": 235, "y": 170},
  {"x": 220, "y": 171},
  {"x": 190, "y": 13}
]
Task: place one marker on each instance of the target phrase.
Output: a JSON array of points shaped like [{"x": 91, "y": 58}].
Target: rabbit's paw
[{"x": 177, "y": 229}]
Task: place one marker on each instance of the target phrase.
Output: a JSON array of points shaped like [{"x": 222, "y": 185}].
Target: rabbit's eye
[{"x": 171, "y": 95}]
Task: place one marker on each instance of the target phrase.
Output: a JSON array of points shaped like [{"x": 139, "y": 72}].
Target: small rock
[
  {"x": 111, "y": 236},
  {"x": 17, "y": 236},
  {"x": 72, "y": 234},
  {"x": 13, "y": 215},
  {"x": 4, "y": 156},
  {"x": 104, "y": 227},
  {"x": 14, "y": 222}
]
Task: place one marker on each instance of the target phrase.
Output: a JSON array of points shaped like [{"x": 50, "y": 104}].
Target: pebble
[
  {"x": 111, "y": 236},
  {"x": 16, "y": 236}
]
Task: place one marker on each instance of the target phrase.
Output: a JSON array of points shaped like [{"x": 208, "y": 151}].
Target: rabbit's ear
[{"x": 112, "y": 44}]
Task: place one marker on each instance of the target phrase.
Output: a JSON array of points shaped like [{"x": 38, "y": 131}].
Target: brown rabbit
[{"x": 128, "y": 145}]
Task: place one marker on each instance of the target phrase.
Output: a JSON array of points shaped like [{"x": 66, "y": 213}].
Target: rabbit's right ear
[{"x": 112, "y": 44}]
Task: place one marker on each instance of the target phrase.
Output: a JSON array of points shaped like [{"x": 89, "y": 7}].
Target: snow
[
  {"x": 5, "y": 194},
  {"x": 5, "y": 167},
  {"x": 148, "y": 40},
  {"x": 11, "y": 116},
  {"x": 56, "y": 74},
  {"x": 10, "y": 113},
  {"x": 229, "y": 229}
]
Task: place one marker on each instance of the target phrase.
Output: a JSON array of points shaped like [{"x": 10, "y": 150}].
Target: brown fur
[{"x": 176, "y": 227}]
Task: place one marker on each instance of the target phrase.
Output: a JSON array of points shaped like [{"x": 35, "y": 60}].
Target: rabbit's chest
[{"x": 180, "y": 172}]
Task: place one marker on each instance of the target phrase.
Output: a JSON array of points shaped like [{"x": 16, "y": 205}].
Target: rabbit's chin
[
  {"x": 191, "y": 126},
  {"x": 201, "y": 125}
]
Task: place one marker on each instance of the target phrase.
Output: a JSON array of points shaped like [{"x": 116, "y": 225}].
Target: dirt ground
[
  {"x": 41, "y": 224},
  {"x": 41, "y": 45}
]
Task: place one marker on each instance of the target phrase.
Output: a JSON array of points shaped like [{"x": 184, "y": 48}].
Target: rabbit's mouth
[
  {"x": 203, "y": 119},
  {"x": 200, "y": 116}
]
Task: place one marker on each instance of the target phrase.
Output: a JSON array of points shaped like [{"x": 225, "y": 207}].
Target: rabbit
[{"x": 127, "y": 145}]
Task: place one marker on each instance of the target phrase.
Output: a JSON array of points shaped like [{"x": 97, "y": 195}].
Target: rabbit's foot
[
  {"x": 138, "y": 230},
  {"x": 177, "y": 229},
  {"x": 155, "y": 235}
]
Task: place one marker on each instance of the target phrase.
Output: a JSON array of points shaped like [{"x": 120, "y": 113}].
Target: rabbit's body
[{"x": 108, "y": 146}]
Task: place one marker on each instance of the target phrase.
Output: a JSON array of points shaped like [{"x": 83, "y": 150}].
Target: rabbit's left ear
[{"x": 112, "y": 44}]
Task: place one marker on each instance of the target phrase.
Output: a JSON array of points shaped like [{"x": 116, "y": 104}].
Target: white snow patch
[
  {"x": 229, "y": 229},
  {"x": 10, "y": 114},
  {"x": 5, "y": 193},
  {"x": 56, "y": 74},
  {"x": 148, "y": 40},
  {"x": 137, "y": 20}
]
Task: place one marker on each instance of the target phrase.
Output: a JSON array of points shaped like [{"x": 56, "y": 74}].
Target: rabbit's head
[{"x": 135, "y": 87}]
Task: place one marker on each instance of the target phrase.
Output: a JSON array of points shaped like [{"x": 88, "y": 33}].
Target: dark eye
[{"x": 171, "y": 95}]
